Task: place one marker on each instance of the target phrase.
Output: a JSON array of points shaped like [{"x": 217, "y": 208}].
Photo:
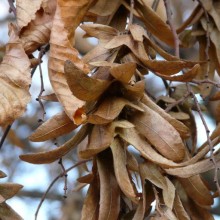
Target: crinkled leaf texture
[{"x": 14, "y": 80}]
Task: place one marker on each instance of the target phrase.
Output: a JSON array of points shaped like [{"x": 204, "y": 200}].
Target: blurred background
[{"x": 37, "y": 178}]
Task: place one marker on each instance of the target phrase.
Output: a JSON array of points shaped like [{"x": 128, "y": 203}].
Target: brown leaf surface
[
  {"x": 2, "y": 174},
  {"x": 154, "y": 23},
  {"x": 53, "y": 155},
  {"x": 83, "y": 86},
  {"x": 197, "y": 190},
  {"x": 194, "y": 169},
  {"x": 14, "y": 80},
  {"x": 37, "y": 32},
  {"x": 91, "y": 203},
  {"x": 109, "y": 109},
  {"x": 123, "y": 72},
  {"x": 56, "y": 126},
  {"x": 7, "y": 213},
  {"x": 109, "y": 190},
  {"x": 179, "y": 126},
  {"x": 25, "y": 12},
  {"x": 105, "y": 7},
  {"x": 8, "y": 190},
  {"x": 151, "y": 172},
  {"x": 66, "y": 19},
  {"x": 186, "y": 77},
  {"x": 160, "y": 133},
  {"x": 121, "y": 172},
  {"x": 100, "y": 138},
  {"x": 179, "y": 209}
]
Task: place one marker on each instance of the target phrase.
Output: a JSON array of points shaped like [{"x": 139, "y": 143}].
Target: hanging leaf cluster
[{"x": 142, "y": 147}]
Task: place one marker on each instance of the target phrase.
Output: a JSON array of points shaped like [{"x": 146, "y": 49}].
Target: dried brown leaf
[
  {"x": 8, "y": 190},
  {"x": 160, "y": 133},
  {"x": 179, "y": 209},
  {"x": 197, "y": 190},
  {"x": 37, "y": 32},
  {"x": 51, "y": 97},
  {"x": 53, "y": 155},
  {"x": 194, "y": 169},
  {"x": 105, "y": 7},
  {"x": 2, "y": 174},
  {"x": 7, "y": 213},
  {"x": 151, "y": 172},
  {"x": 109, "y": 190},
  {"x": 179, "y": 115},
  {"x": 179, "y": 126},
  {"x": 67, "y": 18},
  {"x": 14, "y": 80},
  {"x": 186, "y": 77},
  {"x": 91, "y": 203},
  {"x": 25, "y": 12},
  {"x": 56, "y": 126},
  {"x": 83, "y": 86},
  {"x": 154, "y": 23},
  {"x": 109, "y": 109},
  {"x": 121, "y": 172},
  {"x": 123, "y": 72}
]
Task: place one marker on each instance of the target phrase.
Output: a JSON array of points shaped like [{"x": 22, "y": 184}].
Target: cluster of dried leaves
[{"x": 105, "y": 99}]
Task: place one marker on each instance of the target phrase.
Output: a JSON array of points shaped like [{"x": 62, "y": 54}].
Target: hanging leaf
[
  {"x": 194, "y": 169},
  {"x": 61, "y": 50},
  {"x": 109, "y": 189},
  {"x": 160, "y": 133},
  {"x": 7, "y": 213},
  {"x": 56, "y": 126},
  {"x": 121, "y": 172},
  {"x": 83, "y": 86},
  {"x": 8, "y": 190},
  {"x": 53, "y": 155},
  {"x": 187, "y": 77},
  {"x": 197, "y": 190},
  {"x": 180, "y": 127},
  {"x": 179, "y": 209},
  {"x": 37, "y": 32},
  {"x": 109, "y": 109},
  {"x": 26, "y": 12},
  {"x": 15, "y": 80}
]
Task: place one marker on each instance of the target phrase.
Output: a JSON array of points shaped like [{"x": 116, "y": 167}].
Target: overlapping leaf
[{"x": 15, "y": 80}]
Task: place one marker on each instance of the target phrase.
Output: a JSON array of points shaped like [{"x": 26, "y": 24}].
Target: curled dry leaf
[
  {"x": 37, "y": 32},
  {"x": 109, "y": 190},
  {"x": 51, "y": 97},
  {"x": 53, "y": 155},
  {"x": 194, "y": 169},
  {"x": 186, "y": 77},
  {"x": 160, "y": 133},
  {"x": 26, "y": 12},
  {"x": 8, "y": 190},
  {"x": 100, "y": 138},
  {"x": 151, "y": 172},
  {"x": 14, "y": 80},
  {"x": 2, "y": 174},
  {"x": 83, "y": 86},
  {"x": 123, "y": 72},
  {"x": 121, "y": 172},
  {"x": 61, "y": 50},
  {"x": 56, "y": 126},
  {"x": 109, "y": 109}
]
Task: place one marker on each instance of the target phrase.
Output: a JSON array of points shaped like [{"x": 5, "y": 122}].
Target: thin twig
[
  {"x": 6, "y": 132},
  {"x": 12, "y": 7},
  {"x": 65, "y": 177},
  {"x": 54, "y": 181},
  {"x": 199, "y": 82},
  {"x": 178, "y": 102},
  {"x": 172, "y": 27}
]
